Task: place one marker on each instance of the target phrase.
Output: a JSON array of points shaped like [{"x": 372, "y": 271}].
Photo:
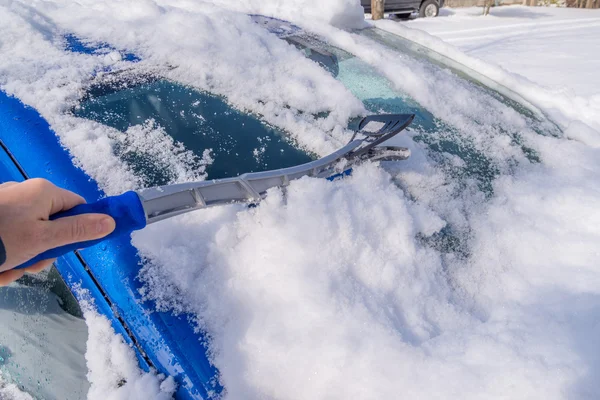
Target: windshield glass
[
  {"x": 417, "y": 51},
  {"x": 208, "y": 132},
  {"x": 379, "y": 97},
  {"x": 374, "y": 90},
  {"x": 43, "y": 338}
]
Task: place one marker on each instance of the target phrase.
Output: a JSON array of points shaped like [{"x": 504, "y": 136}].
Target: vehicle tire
[
  {"x": 403, "y": 16},
  {"x": 429, "y": 8}
]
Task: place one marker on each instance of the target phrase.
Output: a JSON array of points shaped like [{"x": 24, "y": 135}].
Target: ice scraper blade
[{"x": 133, "y": 210}]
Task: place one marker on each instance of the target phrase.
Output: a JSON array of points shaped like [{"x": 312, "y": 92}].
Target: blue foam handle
[{"x": 126, "y": 209}]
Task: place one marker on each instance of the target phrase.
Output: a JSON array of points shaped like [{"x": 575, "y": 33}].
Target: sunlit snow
[{"x": 409, "y": 279}]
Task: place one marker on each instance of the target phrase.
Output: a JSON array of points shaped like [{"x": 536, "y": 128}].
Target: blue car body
[{"x": 168, "y": 343}]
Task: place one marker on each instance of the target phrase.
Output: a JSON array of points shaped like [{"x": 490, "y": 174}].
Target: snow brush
[{"x": 133, "y": 210}]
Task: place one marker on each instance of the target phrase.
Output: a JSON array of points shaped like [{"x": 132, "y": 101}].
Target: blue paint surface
[
  {"x": 169, "y": 342},
  {"x": 76, "y": 45}
]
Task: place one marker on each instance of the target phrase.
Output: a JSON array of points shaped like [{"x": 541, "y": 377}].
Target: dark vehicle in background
[{"x": 404, "y": 8}]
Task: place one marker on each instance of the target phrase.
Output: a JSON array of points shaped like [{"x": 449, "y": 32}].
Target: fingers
[
  {"x": 78, "y": 228},
  {"x": 63, "y": 199},
  {"x": 59, "y": 199},
  {"x": 10, "y": 276},
  {"x": 25, "y": 210},
  {"x": 7, "y": 184}
]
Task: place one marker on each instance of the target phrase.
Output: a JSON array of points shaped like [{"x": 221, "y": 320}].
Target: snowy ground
[
  {"x": 555, "y": 47},
  {"x": 340, "y": 289}
]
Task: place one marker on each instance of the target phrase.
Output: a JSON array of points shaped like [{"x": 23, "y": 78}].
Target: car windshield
[
  {"x": 380, "y": 96},
  {"x": 43, "y": 338},
  {"x": 230, "y": 141},
  {"x": 375, "y": 91},
  {"x": 484, "y": 83}
]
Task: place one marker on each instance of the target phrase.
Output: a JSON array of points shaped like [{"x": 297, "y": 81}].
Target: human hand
[{"x": 25, "y": 228}]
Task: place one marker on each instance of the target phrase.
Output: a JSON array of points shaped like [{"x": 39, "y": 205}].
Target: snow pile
[
  {"x": 341, "y": 13},
  {"x": 113, "y": 370},
  {"x": 494, "y": 38},
  {"x": 323, "y": 287},
  {"x": 533, "y": 275},
  {"x": 330, "y": 293},
  {"x": 535, "y": 246}
]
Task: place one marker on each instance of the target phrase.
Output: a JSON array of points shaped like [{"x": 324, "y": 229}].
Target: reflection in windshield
[
  {"x": 43, "y": 338},
  {"x": 238, "y": 142}
]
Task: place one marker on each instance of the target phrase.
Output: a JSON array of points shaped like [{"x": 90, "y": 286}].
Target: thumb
[{"x": 78, "y": 228}]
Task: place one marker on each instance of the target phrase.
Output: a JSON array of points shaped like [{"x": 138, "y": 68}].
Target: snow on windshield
[
  {"x": 409, "y": 280},
  {"x": 341, "y": 13},
  {"x": 113, "y": 372}
]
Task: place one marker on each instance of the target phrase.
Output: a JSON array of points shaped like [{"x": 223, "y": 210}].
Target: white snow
[
  {"x": 549, "y": 56},
  {"x": 113, "y": 371},
  {"x": 564, "y": 41},
  {"x": 151, "y": 140},
  {"x": 10, "y": 391},
  {"x": 346, "y": 289},
  {"x": 341, "y": 13}
]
